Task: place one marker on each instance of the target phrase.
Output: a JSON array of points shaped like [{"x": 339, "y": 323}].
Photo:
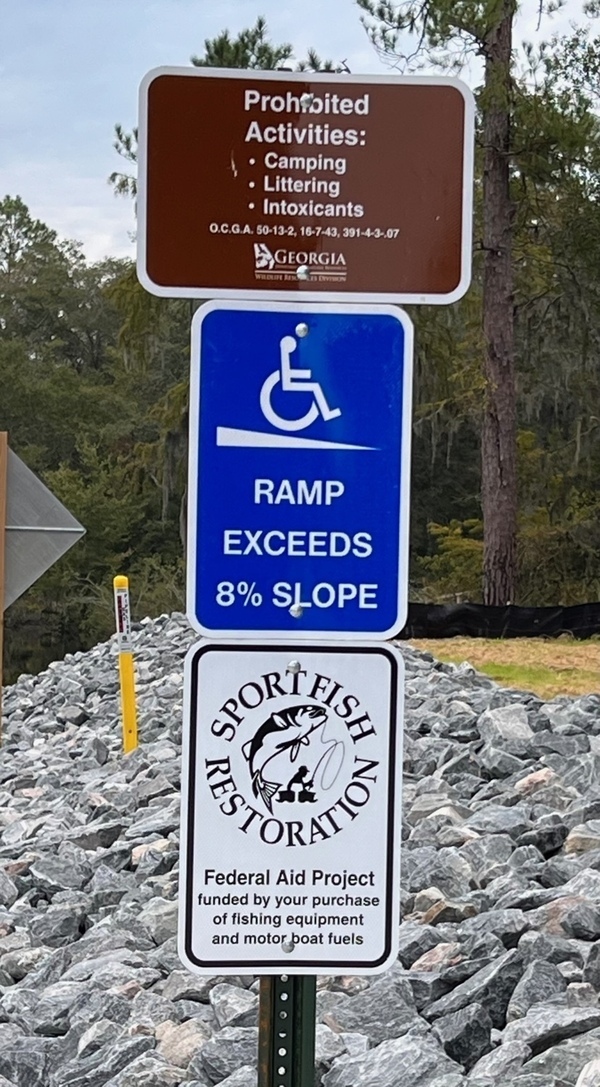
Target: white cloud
[{"x": 77, "y": 206}]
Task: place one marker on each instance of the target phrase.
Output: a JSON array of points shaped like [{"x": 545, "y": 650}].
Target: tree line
[{"x": 506, "y": 458}]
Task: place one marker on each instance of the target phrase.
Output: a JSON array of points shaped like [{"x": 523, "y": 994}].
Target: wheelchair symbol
[{"x": 294, "y": 381}]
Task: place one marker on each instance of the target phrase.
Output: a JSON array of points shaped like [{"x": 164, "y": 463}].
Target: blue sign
[{"x": 300, "y": 420}]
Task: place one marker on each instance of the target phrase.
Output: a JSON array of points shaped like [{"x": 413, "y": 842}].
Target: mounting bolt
[
  {"x": 303, "y": 272},
  {"x": 306, "y": 101},
  {"x": 297, "y": 611},
  {"x": 302, "y": 330},
  {"x": 293, "y": 667}
]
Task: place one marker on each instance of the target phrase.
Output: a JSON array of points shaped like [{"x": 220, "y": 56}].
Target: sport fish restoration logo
[
  {"x": 293, "y": 758},
  {"x": 306, "y": 718}
]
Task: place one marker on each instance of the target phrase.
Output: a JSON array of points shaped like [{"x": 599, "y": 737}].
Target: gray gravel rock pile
[{"x": 498, "y": 976}]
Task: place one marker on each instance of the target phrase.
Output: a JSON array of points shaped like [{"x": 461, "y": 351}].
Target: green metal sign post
[{"x": 286, "y": 1037}]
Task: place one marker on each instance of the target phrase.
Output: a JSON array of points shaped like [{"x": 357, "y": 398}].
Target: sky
[{"x": 70, "y": 69}]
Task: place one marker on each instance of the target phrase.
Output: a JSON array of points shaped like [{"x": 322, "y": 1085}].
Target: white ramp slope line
[{"x": 258, "y": 439}]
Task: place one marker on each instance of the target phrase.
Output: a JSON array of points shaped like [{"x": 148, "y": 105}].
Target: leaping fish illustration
[{"x": 306, "y": 718}]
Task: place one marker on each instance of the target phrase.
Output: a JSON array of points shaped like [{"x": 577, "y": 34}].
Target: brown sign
[{"x": 270, "y": 185}]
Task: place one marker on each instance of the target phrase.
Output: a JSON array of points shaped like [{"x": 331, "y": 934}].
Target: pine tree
[{"x": 451, "y": 30}]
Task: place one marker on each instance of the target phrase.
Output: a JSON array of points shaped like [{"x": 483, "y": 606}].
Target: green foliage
[
  {"x": 434, "y": 26},
  {"x": 559, "y": 552},
  {"x": 87, "y": 392},
  {"x": 125, "y": 144},
  {"x": 453, "y": 573},
  {"x": 572, "y": 62},
  {"x": 251, "y": 49},
  {"x": 559, "y": 536},
  {"x": 448, "y": 400}
]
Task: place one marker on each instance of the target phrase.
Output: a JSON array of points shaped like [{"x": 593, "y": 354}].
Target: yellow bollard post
[{"x": 126, "y": 675}]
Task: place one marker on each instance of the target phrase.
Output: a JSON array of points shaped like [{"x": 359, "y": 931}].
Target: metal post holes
[
  {"x": 291, "y": 800},
  {"x": 300, "y": 420}
]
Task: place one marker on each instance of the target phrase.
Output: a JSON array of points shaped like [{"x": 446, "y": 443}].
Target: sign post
[
  {"x": 286, "y": 1031},
  {"x": 313, "y": 197}
]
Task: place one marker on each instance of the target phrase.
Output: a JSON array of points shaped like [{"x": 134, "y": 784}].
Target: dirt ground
[{"x": 550, "y": 667}]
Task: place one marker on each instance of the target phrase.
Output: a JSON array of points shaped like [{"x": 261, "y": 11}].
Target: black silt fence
[{"x": 477, "y": 621}]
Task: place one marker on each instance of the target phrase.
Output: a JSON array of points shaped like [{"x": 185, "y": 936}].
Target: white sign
[
  {"x": 123, "y": 620},
  {"x": 291, "y": 801}
]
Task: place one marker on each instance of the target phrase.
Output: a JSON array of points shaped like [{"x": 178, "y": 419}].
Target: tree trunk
[{"x": 498, "y": 447}]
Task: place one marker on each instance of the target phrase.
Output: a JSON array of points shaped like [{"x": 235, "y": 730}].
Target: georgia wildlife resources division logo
[
  {"x": 283, "y": 263},
  {"x": 294, "y": 758},
  {"x": 263, "y": 257}
]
